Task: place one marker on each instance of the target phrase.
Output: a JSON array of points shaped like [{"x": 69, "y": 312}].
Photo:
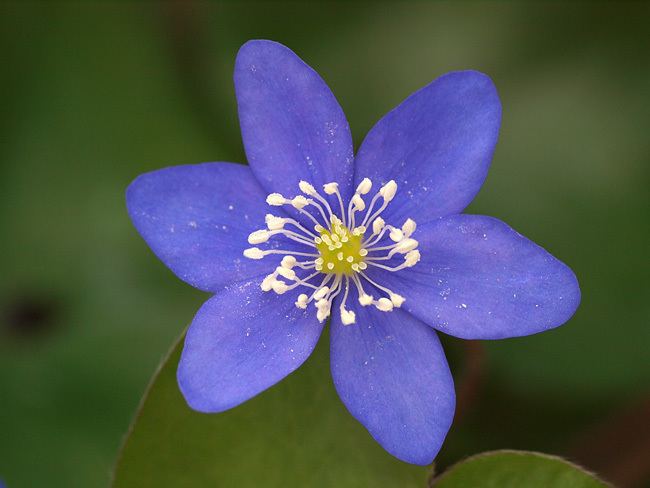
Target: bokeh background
[{"x": 95, "y": 93}]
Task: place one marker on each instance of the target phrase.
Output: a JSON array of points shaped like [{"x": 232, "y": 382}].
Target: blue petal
[
  {"x": 390, "y": 371},
  {"x": 292, "y": 126},
  {"x": 241, "y": 342},
  {"x": 196, "y": 219},
  {"x": 479, "y": 279},
  {"x": 437, "y": 145}
]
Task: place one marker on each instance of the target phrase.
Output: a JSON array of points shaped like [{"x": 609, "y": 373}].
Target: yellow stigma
[{"x": 340, "y": 250}]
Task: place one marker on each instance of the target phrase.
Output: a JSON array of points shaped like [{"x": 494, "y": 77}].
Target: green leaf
[
  {"x": 295, "y": 434},
  {"x": 516, "y": 469}
]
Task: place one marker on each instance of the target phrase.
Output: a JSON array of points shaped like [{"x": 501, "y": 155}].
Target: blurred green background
[{"x": 95, "y": 93}]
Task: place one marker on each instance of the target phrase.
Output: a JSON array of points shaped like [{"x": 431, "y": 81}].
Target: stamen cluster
[{"x": 337, "y": 249}]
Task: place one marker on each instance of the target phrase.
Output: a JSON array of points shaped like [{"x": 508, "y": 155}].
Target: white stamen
[
  {"x": 409, "y": 227},
  {"x": 358, "y": 203},
  {"x": 299, "y": 202},
  {"x": 388, "y": 191},
  {"x": 273, "y": 222},
  {"x": 288, "y": 262},
  {"x": 396, "y": 235},
  {"x": 404, "y": 246},
  {"x": 347, "y": 317},
  {"x": 333, "y": 189},
  {"x": 321, "y": 292},
  {"x": 279, "y": 287},
  {"x": 267, "y": 283},
  {"x": 323, "y": 307},
  {"x": 365, "y": 186},
  {"x": 396, "y": 299},
  {"x": 301, "y": 302},
  {"x": 259, "y": 236},
  {"x": 275, "y": 199},
  {"x": 307, "y": 189},
  {"x": 412, "y": 258},
  {"x": 286, "y": 273},
  {"x": 365, "y": 300},
  {"x": 310, "y": 264},
  {"x": 378, "y": 225},
  {"x": 384, "y": 304},
  {"x": 337, "y": 244},
  {"x": 254, "y": 253}
]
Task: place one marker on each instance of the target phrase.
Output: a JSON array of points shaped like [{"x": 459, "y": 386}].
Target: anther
[
  {"x": 365, "y": 300},
  {"x": 286, "y": 273},
  {"x": 378, "y": 225},
  {"x": 347, "y": 316},
  {"x": 409, "y": 227},
  {"x": 365, "y": 186},
  {"x": 321, "y": 292},
  {"x": 307, "y": 189},
  {"x": 358, "y": 203},
  {"x": 254, "y": 253},
  {"x": 301, "y": 302},
  {"x": 279, "y": 287},
  {"x": 288, "y": 262},
  {"x": 388, "y": 191},
  {"x": 299, "y": 202},
  {"x": 267, "y": 283},
  {"x": 384, "y": 304},
  {"x": 396, "y": 299},
  {"x": 275, "y": 199},
  {"x": 396, "y": 235},
  {"x": 404, "y": 246},
  {"x": 259, "y": 236},
  {"x": 412, "y": 258},
  {"x": 273, "y": 222}
]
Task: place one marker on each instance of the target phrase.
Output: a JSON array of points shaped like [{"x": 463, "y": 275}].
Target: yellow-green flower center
[{"x": 341, "y": 251}]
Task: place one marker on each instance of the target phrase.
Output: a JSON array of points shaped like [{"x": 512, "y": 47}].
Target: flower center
[
  {"x": 337, "y": 250},
  {"x": 341, "y": 251}
]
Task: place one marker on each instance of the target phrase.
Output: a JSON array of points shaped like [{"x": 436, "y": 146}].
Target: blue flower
[{"x": 340, "y": 240}]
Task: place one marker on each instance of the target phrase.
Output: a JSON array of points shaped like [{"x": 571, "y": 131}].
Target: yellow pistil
[{"x": 340, "y": 250}]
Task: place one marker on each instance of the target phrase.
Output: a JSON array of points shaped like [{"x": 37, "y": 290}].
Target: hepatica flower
[{"x": 376, "y": 243}]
